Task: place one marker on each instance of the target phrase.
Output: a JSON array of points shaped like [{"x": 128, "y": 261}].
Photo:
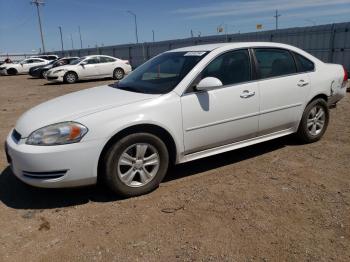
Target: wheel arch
[
  {"x": 322, "y": 96},
  {"x": 71, "y": 71},
  {"x": 12, "y": 69},
  {"x": 156, "y": 130}
]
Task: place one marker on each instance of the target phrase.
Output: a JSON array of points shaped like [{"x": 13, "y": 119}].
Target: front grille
[
  {"x": 16, "y": 136},
  {"x": 45, "y": 175}
]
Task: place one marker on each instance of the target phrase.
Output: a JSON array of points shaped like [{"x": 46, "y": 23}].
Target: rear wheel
[
  {"x": 12, "y": 71},
  {"x": 314, "y": 121},
  {"x": 136, "y": 164},
  {"x": 70, "y": 77},
  {"x": 118, "y": 74}
]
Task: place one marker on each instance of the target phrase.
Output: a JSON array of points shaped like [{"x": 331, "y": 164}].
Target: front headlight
[
  {"x": 57, "y": 134},
  {"x": 60, "y": 70}
]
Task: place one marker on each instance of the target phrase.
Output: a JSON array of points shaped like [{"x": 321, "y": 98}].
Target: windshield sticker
[{"x": 194, "y": 53}]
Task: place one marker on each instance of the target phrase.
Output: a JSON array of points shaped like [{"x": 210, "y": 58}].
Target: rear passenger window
[
  {"x": 104, "y": 59},
  {"x": 304, "y": 64},
  {"x": 274, "y": 62},
  {"x": 231, "y": 68}
]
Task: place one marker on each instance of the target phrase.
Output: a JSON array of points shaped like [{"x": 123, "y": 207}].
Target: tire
[
  {"x": 12, "y": 71},
  {"x": 70, "y": 77},
  {"x": 124, "y": 167},
  {"x": 43, "y": 73},
  {"x": 314, "y": 122},
  {"x": 118, "y": 74}
]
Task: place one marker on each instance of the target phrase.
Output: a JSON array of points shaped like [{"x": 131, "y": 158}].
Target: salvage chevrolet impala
[{"x": 182, "y": 105}]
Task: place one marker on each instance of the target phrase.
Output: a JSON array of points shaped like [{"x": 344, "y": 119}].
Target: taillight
[{"x": 346, "y": 77}]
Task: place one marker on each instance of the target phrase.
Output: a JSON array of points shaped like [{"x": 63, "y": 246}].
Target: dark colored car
[{"x": 40, "y": 71}]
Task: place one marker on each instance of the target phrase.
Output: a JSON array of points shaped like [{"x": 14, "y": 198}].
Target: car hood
[
  {"x": 75, "y": 105},
  {"x": 64, "y": 67},
  {"x": 10, "y": 65}
]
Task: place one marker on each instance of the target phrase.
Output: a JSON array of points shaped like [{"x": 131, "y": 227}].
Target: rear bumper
[
  {"x": 337, "y": 96},
  {"x": 54, "y": 166}
]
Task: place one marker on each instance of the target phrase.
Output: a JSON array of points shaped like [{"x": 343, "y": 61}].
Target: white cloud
[{"x": 256, "y": 6}]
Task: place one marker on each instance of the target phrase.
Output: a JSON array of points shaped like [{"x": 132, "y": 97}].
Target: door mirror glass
[{"x": 208, "y": 83}]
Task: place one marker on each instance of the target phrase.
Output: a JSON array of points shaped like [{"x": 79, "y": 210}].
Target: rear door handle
[
  {"x": 247, "y": 93},
  {"x": 302, "y": 83}
]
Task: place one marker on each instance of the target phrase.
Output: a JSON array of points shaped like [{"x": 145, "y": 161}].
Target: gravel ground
[{"x": 276, "y": 201}]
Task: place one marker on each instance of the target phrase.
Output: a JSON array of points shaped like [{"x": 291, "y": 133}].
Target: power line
[
  {"x": 276, "y": 16},
  {"x": 37, "y": 3}
]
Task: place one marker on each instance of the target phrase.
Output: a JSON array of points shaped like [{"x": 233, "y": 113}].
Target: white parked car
[
  {"x": 21, "y": 67},
  {"x": 90, "y": 67},
  {"x": 182, "y": 105}
]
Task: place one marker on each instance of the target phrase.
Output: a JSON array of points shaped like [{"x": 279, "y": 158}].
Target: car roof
[{"x": 211, "y": 47}]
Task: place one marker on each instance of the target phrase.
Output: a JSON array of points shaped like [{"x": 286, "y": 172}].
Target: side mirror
[
  {"x": 208, "y": 83},
  {"x": 83, "y": 63}
]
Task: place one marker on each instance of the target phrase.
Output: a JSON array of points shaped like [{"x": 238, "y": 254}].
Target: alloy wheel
[{"x": 138, "y": 164}]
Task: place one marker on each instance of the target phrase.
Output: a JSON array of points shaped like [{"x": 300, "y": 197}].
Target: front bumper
[
  {"x": 3, "y": 72},
  {"x": 54, "y": 166},
  {"x": 58, "y": 77}
]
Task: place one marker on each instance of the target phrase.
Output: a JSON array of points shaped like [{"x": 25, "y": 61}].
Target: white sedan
[
  {"x": 182, "y": 105},
  {"x": 90, "y": 67},
  {"x": 21, "y": 67}
]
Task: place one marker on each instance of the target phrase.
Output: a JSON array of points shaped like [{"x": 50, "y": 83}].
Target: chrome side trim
[
  {"x": 233, "y": 146},
  {"x": 243, "y": 117},
  {"x": 279, "y": 108},
  {"x": 222, "y": 121}
]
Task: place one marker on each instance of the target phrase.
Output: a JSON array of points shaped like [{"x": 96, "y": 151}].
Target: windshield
[
  {"x": 76, "y": 61},
  {"x": 161, "y": 74}
]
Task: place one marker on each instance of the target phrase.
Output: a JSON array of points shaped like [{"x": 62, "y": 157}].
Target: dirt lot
[{"x": 277, "y": 201}]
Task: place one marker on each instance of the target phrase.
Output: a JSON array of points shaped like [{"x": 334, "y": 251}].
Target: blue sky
[{"x": 106, "y": 22}]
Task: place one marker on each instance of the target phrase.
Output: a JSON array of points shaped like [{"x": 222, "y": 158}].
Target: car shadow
[{"x": 15, "y": 194}]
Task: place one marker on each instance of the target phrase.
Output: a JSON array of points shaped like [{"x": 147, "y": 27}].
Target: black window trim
[
  {"x": 284, "y": 49},
  {"x": 295, "y": 59},
  {"x": 253, "y": 73}
]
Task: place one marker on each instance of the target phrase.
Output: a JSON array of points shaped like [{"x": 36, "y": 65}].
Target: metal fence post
[{"x": 331, "y": 44}]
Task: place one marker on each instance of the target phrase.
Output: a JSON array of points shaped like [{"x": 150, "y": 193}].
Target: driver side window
[
  {"x": 93, "y": 60},
  {"x": 230, "y": 68}
]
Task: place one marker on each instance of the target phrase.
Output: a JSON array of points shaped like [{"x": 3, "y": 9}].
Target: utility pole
[
  {"x": 71, "y": 39},
  {"x": 276, "y": 16},
  {"x": 81, "y": 41},
  {"x": 38, "y": 3},
  {"x": 61, "y": 39},
  {"x": 153, "y": 35},
  {"x": 135, "y": 20}
]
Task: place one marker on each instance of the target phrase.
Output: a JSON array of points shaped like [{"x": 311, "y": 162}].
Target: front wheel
[
  {"x": 136, "y": 164},
  {"x": 118, "y": 74},
  {"x": 314, "y": 122},
  {"x": 43, "y": 74},
  {"x": 70, "y": 78}
]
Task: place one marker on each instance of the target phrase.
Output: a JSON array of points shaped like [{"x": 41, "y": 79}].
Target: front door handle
[
  {"x": 247, "y": 93},
  {"x": 302, "y": 83}
]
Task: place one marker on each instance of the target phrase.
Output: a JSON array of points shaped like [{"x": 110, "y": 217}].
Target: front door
[
  {"x": 226, "y": 114},
  {"x": 90, "y": 69}
]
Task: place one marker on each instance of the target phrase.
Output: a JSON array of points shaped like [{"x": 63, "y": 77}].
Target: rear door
[{"x": 283, "y": 90}]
